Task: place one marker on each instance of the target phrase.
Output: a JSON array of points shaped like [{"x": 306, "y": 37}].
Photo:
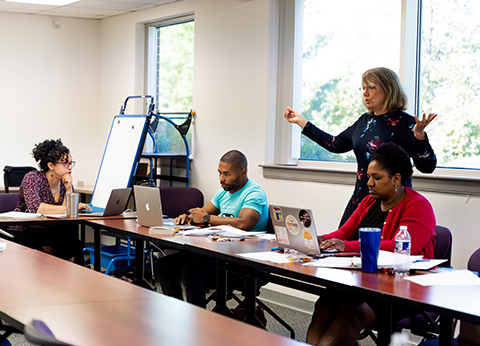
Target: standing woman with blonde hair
[
  {"x": 44, "y": 192},
  {"x": 384, "y": 122}
]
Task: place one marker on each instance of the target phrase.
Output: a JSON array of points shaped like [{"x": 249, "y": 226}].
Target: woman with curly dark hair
[
  {"x": 389, "y": 205},
  {"x": 44, "y": 192}
]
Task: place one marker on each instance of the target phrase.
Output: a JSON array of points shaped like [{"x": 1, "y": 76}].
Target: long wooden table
[
  {"x": 84, "y": 308},
  {"x": 449, "y": 301}
]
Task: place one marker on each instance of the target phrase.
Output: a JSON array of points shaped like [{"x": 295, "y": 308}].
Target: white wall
[
  {"x": 230, "y": 96},
  {"x": 231, "y": 89},
  {"x": 49, "y": 88}
]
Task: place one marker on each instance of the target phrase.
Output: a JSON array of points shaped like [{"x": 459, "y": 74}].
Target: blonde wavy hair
[{"x": 387, "y": 81}]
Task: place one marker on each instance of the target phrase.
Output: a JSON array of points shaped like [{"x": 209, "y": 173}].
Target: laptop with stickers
[{"x": 294, "y": 229}]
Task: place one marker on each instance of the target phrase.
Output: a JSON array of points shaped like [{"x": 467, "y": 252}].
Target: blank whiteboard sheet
[{"x": 124, "y": 146}]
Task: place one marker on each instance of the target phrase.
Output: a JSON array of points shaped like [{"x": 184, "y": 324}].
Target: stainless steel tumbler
[{"x": 72, "y": 204}]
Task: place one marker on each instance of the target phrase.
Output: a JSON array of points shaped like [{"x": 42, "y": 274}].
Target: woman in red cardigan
[{"x": 389, "y": 205}]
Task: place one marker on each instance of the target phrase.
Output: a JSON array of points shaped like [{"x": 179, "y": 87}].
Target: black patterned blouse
[{"x": 364, "y": 136}]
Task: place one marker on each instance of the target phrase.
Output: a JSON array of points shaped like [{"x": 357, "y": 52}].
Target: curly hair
[
  {"x": 49, "y": 150},
  {"x": 394, "y": 160},
  {"x": 387, "y": 81}
]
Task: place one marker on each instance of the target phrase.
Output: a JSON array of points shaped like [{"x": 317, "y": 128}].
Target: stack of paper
[
  {"x": 226, "y": 231},
  {"x": 386, "y": 259},
  {"x": 270, "y": 256},
  {"x": 18, "y": 215},
  {"x": 167, "y": 230},
  {"x": 56, "y": 216}
]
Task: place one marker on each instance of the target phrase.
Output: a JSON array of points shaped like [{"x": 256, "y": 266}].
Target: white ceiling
[{"x": 91, "y": 9}]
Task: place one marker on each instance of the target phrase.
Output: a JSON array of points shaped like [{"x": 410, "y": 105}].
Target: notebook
[
  {"x": 115, "y": 205},
  {"x": 149, "y": 206},
  {"x": 295, "y": 229}
]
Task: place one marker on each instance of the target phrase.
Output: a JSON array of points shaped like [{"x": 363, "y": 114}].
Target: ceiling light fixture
[{"x": 45, "y": 2}]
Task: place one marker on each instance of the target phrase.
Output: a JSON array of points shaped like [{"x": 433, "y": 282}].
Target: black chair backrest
[
  {"x": 474, "y": 262},
  {"x": 269, "y": 228},
  {"x": 178, "y": 200},
  {"x": 443, "y": 246},
  {"x": 13, "y": 176},
  {"x": 8, "y": 202}
]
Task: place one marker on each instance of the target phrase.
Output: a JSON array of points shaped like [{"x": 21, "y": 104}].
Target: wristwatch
[{"x": 206, "y": 219}]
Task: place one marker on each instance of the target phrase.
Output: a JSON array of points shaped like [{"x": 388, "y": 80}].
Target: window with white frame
[
  {"x": 434, "y": 45},
  {"x": 169, "y": 75}
]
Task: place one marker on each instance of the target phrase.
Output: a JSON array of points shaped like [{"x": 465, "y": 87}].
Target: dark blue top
[{"x": 364, "y": 136}]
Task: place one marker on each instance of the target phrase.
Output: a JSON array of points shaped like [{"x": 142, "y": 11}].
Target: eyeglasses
[
  {"x": 67, "y": 163},
  {"x": 369, "y": 88}
]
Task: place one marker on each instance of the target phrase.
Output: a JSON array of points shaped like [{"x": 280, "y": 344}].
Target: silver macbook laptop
[
  {"x": 115, "y": 205},
  {"x": 149, "y": 206},
  {"x": 295, "y": 229}
]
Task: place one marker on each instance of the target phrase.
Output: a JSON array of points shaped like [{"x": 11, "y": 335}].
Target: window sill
[{"x": 440, "y": 181}]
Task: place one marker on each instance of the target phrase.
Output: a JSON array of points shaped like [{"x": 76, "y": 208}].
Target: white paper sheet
[
  {"x": 222, "y": 231},
  {"x": 386, "y": 259},
  {"x": 17, "y": 215},
  {"x": 336, "y": 262},
  {"x": 426, "y": 264},
  {"x": 267, "y": 256},
  {"x": 267, "y": 236},
  {"x": 56, "y": 216},
  {"x": 448, "y": 278}
]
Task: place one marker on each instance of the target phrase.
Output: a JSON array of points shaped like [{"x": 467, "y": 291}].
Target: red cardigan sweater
[{"x": 414, "y": 211}]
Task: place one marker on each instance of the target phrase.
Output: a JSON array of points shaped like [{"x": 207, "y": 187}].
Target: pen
[{"x": 176, "y": 230}]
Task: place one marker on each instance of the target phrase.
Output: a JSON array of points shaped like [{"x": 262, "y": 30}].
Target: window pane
[
  {"x": 174, "y": 92},
  {"x": 343, "y": 39},
  {"x": 450, "y": 79},
  {"x": 173, "y": 83}
]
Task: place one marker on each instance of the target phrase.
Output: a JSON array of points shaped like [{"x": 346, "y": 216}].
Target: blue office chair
[
  {"x": 178, "y": 200},
  {"x": 38, "y": 333},
  {"x": 469, "y": 333},
  {"x": 8, "y": 202}
]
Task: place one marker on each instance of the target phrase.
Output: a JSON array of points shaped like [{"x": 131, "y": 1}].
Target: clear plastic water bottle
[{"x": 403, "y": 245}]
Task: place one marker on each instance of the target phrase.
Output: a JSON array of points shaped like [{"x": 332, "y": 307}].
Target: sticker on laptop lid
[
  {"x": 293, "y": 225},
  {"x": 308, "y": 238},
  {"x": 277, "y": 214},
  {"x": 282, "y": 235},
  {"x": 305, "y": 218}
]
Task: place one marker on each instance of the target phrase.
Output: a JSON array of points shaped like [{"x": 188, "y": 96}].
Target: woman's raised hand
[
  {"x": 294, "y": 117},
  {"x": 419, "y": 128}
]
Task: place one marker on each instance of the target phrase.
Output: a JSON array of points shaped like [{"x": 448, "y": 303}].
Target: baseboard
[{"x": 288, "y": 297}]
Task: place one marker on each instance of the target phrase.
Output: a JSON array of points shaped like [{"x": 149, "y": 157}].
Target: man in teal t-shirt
[{"x": 241, "y": 203}]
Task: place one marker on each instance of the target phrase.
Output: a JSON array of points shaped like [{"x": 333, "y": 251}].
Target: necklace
[{"x": 397, "y": 200}]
